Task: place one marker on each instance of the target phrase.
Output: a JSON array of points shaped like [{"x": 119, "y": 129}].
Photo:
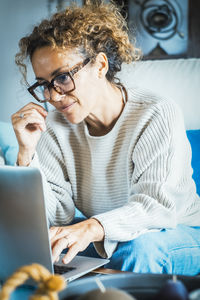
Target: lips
[{"x": 66, "y": 107}]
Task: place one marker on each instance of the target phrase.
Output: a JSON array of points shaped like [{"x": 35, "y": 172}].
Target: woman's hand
[
  {"x": 75, "y": 237},
  {"x": 28, "y": 123}
]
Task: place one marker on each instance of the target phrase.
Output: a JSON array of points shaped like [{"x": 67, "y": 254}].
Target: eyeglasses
[{"x": 62, "y": 84}]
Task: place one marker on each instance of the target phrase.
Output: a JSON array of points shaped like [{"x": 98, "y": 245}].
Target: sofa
[{"x": 177, "y": 79}]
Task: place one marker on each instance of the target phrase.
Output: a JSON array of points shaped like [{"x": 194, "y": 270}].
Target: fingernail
[{"x": 65, "y": 261}]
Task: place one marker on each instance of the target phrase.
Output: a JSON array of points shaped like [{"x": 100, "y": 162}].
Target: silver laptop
[{"x": 24, "y": 235}]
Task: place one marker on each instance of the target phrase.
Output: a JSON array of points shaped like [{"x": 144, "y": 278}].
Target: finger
[
  {"x": 23, "y": 113},
  {"x": 35, "y": 106},
  {"x": 36, "y": 126},
  {"x": 30, "y": 119},
  {"x": 31, "y": 123},
  {"x": 71, "y": 253},
  {"x": 31, "y": 111},
  {"x": 58, "y": 248},
  {"x": 54, "y": 239},
  {"x": 52, "y": 232},
  {"x": 62, "y": 232}
]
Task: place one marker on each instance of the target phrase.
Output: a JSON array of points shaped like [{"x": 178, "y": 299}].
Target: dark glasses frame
[{"x": 50, "y": 84}]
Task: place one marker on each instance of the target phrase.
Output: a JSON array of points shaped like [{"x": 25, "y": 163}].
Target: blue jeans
[{"x": 168, "y": 251}]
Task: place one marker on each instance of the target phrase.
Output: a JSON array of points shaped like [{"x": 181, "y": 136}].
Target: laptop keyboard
[{"x": 62, "y": 269}]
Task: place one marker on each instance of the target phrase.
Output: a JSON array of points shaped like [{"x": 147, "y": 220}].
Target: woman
[{"x": 119, "y": 156}]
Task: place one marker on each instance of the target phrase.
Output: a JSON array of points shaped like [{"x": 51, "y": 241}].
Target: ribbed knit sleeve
[{"x": 57, "y": 188}]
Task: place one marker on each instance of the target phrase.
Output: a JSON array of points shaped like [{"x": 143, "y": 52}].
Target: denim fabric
[{"x": 168, "y": 251}]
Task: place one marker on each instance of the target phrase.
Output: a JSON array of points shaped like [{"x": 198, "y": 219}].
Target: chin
[{"x": 74, "y": 119}]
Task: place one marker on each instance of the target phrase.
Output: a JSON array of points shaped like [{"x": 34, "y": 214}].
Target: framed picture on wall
[{"x": 164, "y": 28}]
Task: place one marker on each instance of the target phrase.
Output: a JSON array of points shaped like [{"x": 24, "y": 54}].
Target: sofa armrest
[
  {"x": 8, "y": 143},
  {"x": 194, "y": 138}
]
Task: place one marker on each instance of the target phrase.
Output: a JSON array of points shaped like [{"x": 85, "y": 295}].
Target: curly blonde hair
[{"x": 92, "y": 28}]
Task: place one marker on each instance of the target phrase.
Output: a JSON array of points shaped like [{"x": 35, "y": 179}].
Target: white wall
[{"x": 16, "y": 20}]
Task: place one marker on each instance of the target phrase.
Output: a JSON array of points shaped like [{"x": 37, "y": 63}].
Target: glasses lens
[
  {"x": 42, "y": 92},
  {"x": 63, "y": 83}
]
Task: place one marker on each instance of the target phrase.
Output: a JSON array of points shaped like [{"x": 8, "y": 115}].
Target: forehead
[{"x": 46, "y": 60}]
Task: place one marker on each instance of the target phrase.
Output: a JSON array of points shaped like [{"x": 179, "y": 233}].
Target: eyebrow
[{"x": 54, "y": 73}]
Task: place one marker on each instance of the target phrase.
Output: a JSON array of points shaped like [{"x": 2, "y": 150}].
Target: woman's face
[{"x": 78, "y": 104}]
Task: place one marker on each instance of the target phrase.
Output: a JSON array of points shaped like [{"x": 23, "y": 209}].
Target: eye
[
  {"x": 45, "y": 87},
  {"x": 62, "y": 79}
]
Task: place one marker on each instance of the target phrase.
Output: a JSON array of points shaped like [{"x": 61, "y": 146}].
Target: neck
[{"x": 107, "y": 110}]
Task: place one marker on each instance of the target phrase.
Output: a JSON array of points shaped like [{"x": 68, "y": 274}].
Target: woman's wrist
[
  {"x": 96, "y": 229},
  {"x": 24, "y": 158}
]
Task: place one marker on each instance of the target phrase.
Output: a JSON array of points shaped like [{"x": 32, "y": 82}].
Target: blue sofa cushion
[
  {"x": 194, "y": 138},
  {"x": 8, "y": 143}
]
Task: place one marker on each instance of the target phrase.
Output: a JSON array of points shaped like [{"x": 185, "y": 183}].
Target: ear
[{"x": 101, "y": 64}]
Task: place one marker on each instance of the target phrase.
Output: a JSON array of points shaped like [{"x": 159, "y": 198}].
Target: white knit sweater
[{"x": 136, "y": 178}]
